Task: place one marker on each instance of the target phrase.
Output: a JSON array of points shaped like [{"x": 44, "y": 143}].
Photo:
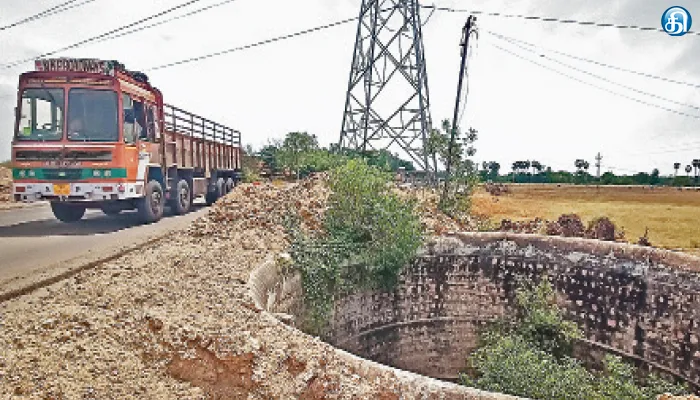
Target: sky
[{"x": 522, "y": 111}]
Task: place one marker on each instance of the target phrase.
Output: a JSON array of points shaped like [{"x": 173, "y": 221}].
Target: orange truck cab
[{"x": 92, "y": 134}]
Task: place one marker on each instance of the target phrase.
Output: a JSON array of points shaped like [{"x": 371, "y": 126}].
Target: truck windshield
[
  {"x": 41, "y": 115},
  {"x": 92, "y": 116}
]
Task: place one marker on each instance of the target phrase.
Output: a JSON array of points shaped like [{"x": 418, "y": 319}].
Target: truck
[{"x": 91, "y": 134}]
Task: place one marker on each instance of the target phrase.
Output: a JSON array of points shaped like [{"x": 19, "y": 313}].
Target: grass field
[{"x": 672, "y": 216}]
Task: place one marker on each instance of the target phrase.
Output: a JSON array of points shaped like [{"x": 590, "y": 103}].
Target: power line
[
  {"x": 669, "y": 148},
  {"x": 555, "y": 20},
  {"x": 600, "y": 64},
  {"x": 256, "y": 44},
  {"x": 65, "y": 6},
  {"x": 103, "y": 35},
  {"x": 597, "y": 76},
  {"x": 189, "y": 14},
  {"x": 594, "y": 85}
]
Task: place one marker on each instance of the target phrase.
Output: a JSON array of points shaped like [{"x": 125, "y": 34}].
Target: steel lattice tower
[{"x": 388, "y": 102}]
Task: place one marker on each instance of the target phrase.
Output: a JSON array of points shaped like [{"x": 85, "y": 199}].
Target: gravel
[{"x": 175, "y": 320}]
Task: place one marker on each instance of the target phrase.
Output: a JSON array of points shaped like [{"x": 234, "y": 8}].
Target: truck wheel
[
  {"x": 220, "y": 188},
  {"x": 210, "y": 198},
  {"x": 182, "y": 198},
  {"x": 68, "y": 212},
  {"x": 151, "y": 206},
  {"x": 230, "y": 185}
]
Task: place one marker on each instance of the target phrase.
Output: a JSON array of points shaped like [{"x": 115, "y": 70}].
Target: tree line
[
  {"x": 299, "y": 154},
  {"x": 533, "y": 171}
]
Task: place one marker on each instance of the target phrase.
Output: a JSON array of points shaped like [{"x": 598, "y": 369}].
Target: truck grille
[
  {"x": 63, "y": 174},
  {"x": 30, "y": 155},
  {"x": 88, "y": 156},
  {"x": 68, "y": 156}
]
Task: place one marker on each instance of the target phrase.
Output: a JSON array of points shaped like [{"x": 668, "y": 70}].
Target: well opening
[{"x": 639, "y": 303}]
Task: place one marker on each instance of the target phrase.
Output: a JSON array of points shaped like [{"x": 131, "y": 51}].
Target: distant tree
[
  {"x": 537, "y": 167},
  {"x": 676, "y": 167},
  {"x": 294, "y": 145},
  {"x": 696, "y": 165},
  {"x": 655, "y": 178},
  {"x": 268, "y": 155},
  {"x": 494, "y": 169},
  {"x": 688, "y": 169},
  {"x": 608, "y": 178},
  {"x": 582, "y": 168},
  {"x": 641, "y": 178}
]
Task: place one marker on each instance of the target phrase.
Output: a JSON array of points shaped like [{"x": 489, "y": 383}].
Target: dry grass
[{"x": 671, "y": 215}]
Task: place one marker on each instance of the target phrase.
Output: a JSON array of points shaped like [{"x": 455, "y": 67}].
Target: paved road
[{"x": 33, "y": 242}]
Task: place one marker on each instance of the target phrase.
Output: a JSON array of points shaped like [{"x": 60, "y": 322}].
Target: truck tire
[
  {"x": 220, "y": 188},
  {"x": 210, "y": 198},
  {"x": 219, "y": 191},
  {"x": 68, "y": 212},
  {"x": 151, "y": 206},
  {"x": 182, "y": 198}
]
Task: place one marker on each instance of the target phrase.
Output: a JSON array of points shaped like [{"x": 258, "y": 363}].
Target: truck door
[{"x": 129, "y": 131}]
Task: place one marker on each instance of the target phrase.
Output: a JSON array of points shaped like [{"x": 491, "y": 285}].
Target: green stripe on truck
[{"x": 67, "y": 174}]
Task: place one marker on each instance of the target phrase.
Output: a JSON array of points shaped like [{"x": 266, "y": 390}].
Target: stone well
[{"x": 640, "y": 303}]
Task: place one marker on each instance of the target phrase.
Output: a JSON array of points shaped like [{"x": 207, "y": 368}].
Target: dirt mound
[
  {"x": 568, "y": 225},
  {"x": 602, "y": 229},
  {"x": 496, "y": 189},
  {"x": 434, "y": 221},
  {"x": 175, "y": 320},
  {"x": 255, "y": 216},
  {"x": 266, "y": 209}
]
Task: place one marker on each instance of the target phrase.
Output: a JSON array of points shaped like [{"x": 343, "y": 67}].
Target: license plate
[{"x": 61, "y": 190}]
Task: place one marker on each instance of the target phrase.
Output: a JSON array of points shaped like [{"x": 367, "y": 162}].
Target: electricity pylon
[{"x": 388, "y": 102}]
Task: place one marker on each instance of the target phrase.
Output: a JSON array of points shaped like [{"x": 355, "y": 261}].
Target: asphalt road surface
[{"x": 33, "y": 242}]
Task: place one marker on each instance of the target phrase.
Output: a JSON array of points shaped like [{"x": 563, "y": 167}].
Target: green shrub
[
  {"x": 512, "y": 365},
  {"x": 541, "y": 322},
  {"x": 532, "y": 357},
  {"x": 370, "y": 235}
]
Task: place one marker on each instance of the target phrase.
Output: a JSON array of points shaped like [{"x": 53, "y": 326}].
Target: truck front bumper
[{"x": 88, "y": 192}]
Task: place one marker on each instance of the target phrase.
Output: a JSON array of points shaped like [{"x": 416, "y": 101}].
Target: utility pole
[
  {"x": 466, "y": 33},
  {"x": 598, "y": 159}
]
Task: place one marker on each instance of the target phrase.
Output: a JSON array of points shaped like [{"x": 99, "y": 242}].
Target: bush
[
  {"x": 511, "y": 365},
  {"x": 541, "y": 322},
  {"x": 370, "y": 235},
  {"x": 532, "y": 357}
]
